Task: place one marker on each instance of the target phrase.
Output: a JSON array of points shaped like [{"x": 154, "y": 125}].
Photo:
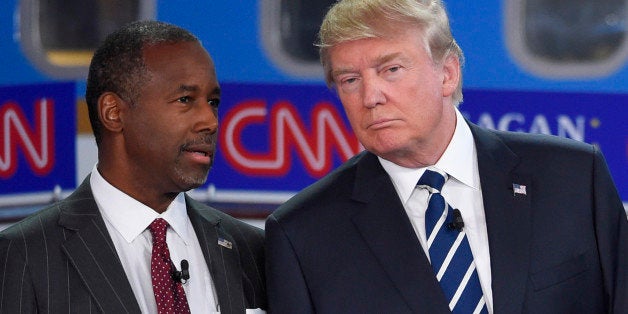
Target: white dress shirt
[
  {"x": 127, "y": 221},
  {"x": 462, "y": 191}
]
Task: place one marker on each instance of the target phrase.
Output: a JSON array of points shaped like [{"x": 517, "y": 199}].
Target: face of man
[
  {"x": 170, "y": 133},
  {"x": 397, "y": 99}
]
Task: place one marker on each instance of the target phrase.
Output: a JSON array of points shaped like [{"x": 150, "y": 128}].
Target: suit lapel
[
  {"x": 386, "y": 229},
  {"x": 222, "y": 259},
  {"x": 92, "y": 253},
  {"x": 508, "y": 219}
]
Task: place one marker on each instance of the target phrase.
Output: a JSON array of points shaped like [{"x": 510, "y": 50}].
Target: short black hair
[{"x": 118, "y": 65}]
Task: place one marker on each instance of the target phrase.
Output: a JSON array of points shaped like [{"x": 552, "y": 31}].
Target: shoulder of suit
[
  {"x": 337, "y": 186},
  {"x": 79, "y": 203},
  {"x": 34, "y": 223},
  {"x": 218, "y": 216},
  {"x": 345, "y": 172}
]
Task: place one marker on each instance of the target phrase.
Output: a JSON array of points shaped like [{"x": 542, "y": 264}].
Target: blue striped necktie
[{"x": 449, "y": 250}]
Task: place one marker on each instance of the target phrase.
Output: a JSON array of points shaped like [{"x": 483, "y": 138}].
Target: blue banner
[
  {"x": 281, "y": 138},
  {"x": 598, "y": 119},
  {"x": 38, "y": 133}
]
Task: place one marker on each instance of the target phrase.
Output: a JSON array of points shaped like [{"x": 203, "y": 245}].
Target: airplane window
[
  {"x": 579, "y": 30},
  {"x": 568, "y": 38},
  {"x": 300, "y": 21},
  {"x": 59, "y": 36},
  {"x": 289, "y": 31}
]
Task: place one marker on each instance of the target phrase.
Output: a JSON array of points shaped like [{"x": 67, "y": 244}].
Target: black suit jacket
[
  {"x": 62, "y": 260},
  {"x": 346, "y": 245}
]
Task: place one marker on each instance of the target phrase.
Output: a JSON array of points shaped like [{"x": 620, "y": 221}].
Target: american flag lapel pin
[
  {"x": 518, "y": 189},
  {"x": 225, "y": 243}
]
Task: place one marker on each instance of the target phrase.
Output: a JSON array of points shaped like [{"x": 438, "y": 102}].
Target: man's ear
[
  {"x": 451, "y": 75},
  {"x": 110, "y": 107}
]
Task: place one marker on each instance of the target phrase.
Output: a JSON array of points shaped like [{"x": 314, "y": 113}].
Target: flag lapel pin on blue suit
[
  {"x": 518, "y": 189},
  {"x": 225, "y": 243}
]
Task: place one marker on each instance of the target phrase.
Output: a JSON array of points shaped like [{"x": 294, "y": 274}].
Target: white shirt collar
[
  {"x": 455, "y": 162},
  {"x": 130, "y": 217}
]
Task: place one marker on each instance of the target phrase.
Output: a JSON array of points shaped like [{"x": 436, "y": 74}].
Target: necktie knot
[
  {"x": 432, "y": 180},
  {"x": 158, "y": 230}
]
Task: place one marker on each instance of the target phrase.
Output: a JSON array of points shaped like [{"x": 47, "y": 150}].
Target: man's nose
[
  {"x": 372, "y": 92},
  {"x": 207, "y": 116}
]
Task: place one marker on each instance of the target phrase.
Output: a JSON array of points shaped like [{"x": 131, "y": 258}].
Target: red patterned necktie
[{"x": 169, "y": 294}]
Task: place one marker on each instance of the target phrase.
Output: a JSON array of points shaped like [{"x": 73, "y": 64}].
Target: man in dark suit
[
  {"x": 153, "y": 96},
  {"x": 439, "y": 215}
]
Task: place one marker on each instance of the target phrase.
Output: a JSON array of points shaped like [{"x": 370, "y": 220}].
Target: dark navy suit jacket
[
  {"x": 346, "y": 245},
  {"x": 62, "y": 260}
]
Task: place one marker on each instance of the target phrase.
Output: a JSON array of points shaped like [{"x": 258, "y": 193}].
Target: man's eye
[
  {"x": 185, "y": 99},
  {"x": 350, "y": 80},
  {"x": 393, "y": 69},
  {"x": 214, "y": 102}
]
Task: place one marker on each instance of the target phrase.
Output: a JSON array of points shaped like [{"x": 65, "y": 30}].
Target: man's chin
[{"x": 190, "y": 181}]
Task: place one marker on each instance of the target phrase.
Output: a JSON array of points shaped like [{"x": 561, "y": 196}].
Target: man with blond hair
[{"x": 438, "y": 215}]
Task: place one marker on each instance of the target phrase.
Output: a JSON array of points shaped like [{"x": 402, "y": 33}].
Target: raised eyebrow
[
  {"x": 338, "y": 72},
  {"x": 216, "y": 91},
  {"x": 187, "y": 88},
  {"x": 376, "y": 63},
  {"x": 388, "y": 57},
  {"x": 193, "y": 88}
]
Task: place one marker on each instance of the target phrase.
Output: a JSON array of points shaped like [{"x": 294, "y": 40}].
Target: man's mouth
[
  {"x": 201, "y": 153},
  {"x": 380, "y": 123}
]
